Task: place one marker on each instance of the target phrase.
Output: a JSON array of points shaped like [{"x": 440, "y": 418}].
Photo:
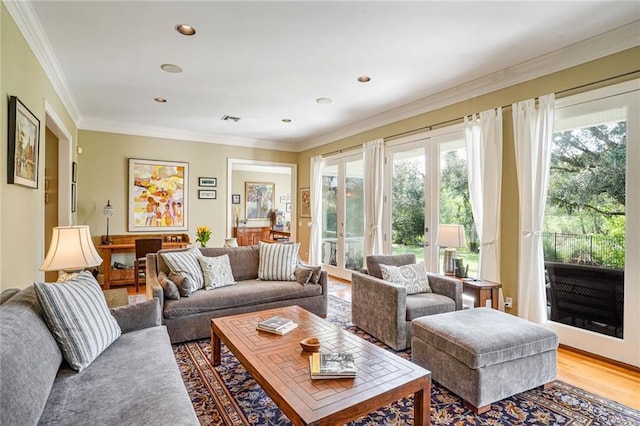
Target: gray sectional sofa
[
  {"x": 135, "y": 381},
  {"x": 189, "y": 318}
]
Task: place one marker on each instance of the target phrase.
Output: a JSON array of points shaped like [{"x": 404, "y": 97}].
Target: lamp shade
[
  {"x": 451, "y": 236},
  {"x": 71, "y": 249}
]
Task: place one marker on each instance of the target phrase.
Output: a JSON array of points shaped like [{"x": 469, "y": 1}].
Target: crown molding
[
  {"x": 614, "y": 41},
  {"x": 99, "y": 125},
  {"x": 29, "y": 25}
]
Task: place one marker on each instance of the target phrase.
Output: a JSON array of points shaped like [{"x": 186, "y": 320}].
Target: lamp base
[
  {"x": 66, "y": 275},
  {"x": 107, "y": 240},
  {"x": 449, "y": 262}
]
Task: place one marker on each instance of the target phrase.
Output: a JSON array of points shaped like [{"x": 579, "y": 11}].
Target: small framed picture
[
  {"x": 288, "y": 207},
  {"x": 24, "y": 143},
  {"x": 74, "y": 198},
  {"x": 283, "y": 199},
  {"x": 74, "y": 172},
  {"x": 208, "y": 181},
  {"x": 207, "y": 194},
  {"x": 235, "y": 199}
]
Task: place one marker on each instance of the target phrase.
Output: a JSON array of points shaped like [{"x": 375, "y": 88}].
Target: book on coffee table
[
  {"x": 281, "y": 330},
  {"x": 340, "y": 365},
  {"x": 277, "y": 325}
]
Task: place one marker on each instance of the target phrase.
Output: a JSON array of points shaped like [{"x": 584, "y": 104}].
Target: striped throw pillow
[
  {"x": 278, "y": 261},
  {"x": 185, "y": 263},
  {"x": 77, "y": 315}
]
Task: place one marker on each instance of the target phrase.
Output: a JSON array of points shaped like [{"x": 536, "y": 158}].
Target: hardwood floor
[{"x": 578, "y": 369}]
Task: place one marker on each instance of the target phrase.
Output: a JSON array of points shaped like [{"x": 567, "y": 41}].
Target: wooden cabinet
[
  {"x": 127, "y": 244},
  {"x": 249, "y": 236}
]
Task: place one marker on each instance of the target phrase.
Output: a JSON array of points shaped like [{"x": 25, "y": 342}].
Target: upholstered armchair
[{"x": 384, "y": 310}]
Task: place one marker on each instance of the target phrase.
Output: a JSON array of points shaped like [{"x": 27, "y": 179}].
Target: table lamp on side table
[
  {"x": 71, "y": 251},
  {"x": 451, "y": 237}
]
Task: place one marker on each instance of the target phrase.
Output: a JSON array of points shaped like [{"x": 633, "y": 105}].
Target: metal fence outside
[{"x": 597, "y": 250}]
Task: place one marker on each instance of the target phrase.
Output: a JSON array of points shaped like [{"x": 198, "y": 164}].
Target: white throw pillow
[
  {"x": 413, "y": 277},
  {"x": 278, "y": 261},
  {"x": 216, "y": 271},
  {"x": 185, "y": 264},
  {"x": 77, "y": 315}
]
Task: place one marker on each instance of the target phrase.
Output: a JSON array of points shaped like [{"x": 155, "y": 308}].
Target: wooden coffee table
[{"x": 280, "y": 366}]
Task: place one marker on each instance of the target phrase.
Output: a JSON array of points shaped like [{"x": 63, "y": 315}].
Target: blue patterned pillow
[
  {"x": 77, "y": 315},
  {"x": 217, "y": 271},
  {"x": 278, "y": 261},
  {"x": 185, "y": 264}
]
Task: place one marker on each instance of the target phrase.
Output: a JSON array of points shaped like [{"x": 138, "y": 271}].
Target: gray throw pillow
[
  {"x": 77, "y": 315},
  {"x": 170, "y": 288},
  {"x": 182, "y": 282},
  {"x": 315, "y": 276},
  {"x": 303, "y": 274},
  {"x": 138, "y": 316}
]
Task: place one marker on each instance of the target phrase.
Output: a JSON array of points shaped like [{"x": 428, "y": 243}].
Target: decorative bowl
[{"x": 310, "y": 344}]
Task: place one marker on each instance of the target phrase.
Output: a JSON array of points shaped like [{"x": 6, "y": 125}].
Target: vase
[{"x": 230, "y": 242}]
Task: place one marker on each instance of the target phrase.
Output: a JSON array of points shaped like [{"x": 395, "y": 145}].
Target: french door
[
  {"x": 426, "y": 185},
  {"x": 343, "y": 215},
  {"x": 592, "y": 216}
]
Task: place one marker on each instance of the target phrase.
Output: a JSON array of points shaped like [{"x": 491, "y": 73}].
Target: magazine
[{"x": 332, "y": 366}]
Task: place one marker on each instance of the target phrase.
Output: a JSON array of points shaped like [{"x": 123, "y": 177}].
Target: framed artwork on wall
[
  {"x": 74, "y": 198},
  {"x": 305, "y": 202},
  {"x": 235, "y": 199},
  {"x": 260, "y": 200},
  {"x": 208, "y": 181},
  {"x": 158, "y": 195},
  {"x": 74, "y": 172},
  {"x": 207, "y": 194},
  {"x": 24, "y": 145}
]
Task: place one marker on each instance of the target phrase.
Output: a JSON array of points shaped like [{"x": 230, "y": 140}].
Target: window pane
[
  {"x": 585, "y": 222},
  {"x": 455, "y": 207}
]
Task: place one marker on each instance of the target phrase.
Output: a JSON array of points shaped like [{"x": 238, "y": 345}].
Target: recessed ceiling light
[
  {"x": 185, "y": 29},
  {"x": 364, "y": 79},
  {"x": 160, "y": 100},
  {"x": 286, "y": 120},
  {"x": 324, "y": 100},
  {"x": 172, "y": 68}
]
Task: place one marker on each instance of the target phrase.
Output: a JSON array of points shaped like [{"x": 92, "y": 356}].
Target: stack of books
[
  {"x": 277, "y": 325},
  {"x": 332, "y": 366}
]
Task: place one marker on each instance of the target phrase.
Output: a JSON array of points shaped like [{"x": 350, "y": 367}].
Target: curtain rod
[{"x": 460, "y": 119}]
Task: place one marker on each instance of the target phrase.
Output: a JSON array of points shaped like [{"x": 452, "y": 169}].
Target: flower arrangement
[{"x": 204, "y": 234}]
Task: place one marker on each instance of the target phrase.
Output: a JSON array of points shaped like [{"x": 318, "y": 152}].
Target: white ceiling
[{"x": 264, "y": 61}]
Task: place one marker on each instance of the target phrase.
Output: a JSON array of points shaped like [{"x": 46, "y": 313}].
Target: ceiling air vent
[{"x": 230, "y": 118}]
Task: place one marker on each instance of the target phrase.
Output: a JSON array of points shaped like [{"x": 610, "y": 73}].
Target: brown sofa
[{"x": 189, "y": 318}]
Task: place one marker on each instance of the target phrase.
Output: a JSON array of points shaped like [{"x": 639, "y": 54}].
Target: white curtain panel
[
  {"x": 373, "y": 195},
  {"x": 533, "y": 134},
  {"x": 315, "y": 240},
  {"x": 483, "y": 135}
]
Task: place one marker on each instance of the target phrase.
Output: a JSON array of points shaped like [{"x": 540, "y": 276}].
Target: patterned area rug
[{"x": 228, "y": 395}]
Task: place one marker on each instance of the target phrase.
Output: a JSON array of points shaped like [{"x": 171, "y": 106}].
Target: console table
[{"x": 127, "y": 244}]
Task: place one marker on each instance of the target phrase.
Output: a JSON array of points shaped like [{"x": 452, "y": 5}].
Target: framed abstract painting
[{"x": 158, "y": 195}]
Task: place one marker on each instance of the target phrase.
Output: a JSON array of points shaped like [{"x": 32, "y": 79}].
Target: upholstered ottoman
[{"x": 484, "y": 355}]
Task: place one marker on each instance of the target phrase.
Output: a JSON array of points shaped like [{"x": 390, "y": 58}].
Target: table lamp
[
  {"x": 451, "y": 237},
  {"x": 71, "y": 251},
  {"x": 108, "y": 211}
]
